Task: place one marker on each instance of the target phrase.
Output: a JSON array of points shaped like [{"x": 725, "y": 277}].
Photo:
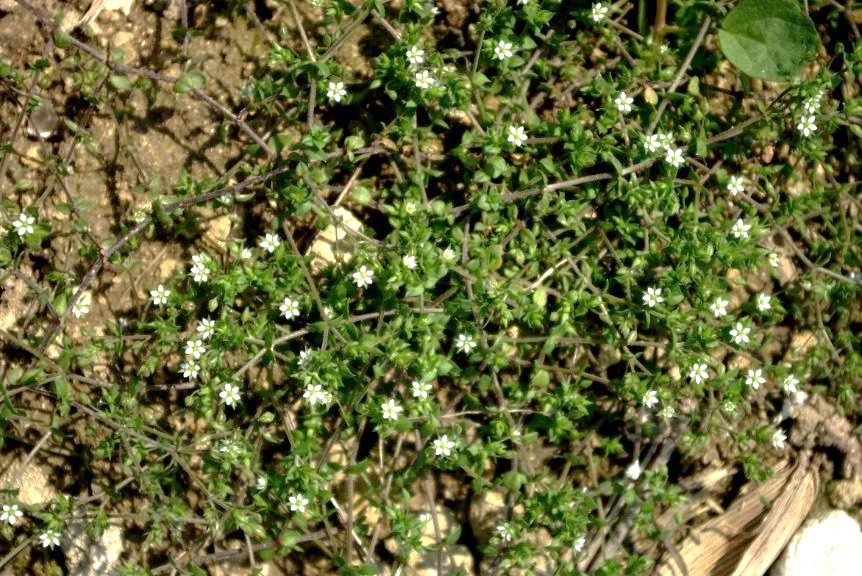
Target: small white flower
[
  {"x": 806, "y": 125},
  {"x": 206, "y": 328},
  {"x": 24, "y": 224},
  {"x": 505, "y": 532},
  {"x": 623, "y": 102},
  {"x": 390, "y": 409},
  {"x": 10, "y": 514},
  {"x": 269, "y": 242},
  {"x": 229, "y": 447},
  {"x": 363, "y": 277},
  {"x": 754, "y": 378},
  {"x": 600, "y": 12},
  {"x": 778, "y": 439},
  {"x": 199, "y": 272},
  {"x": 579, "y": 544},
  {"x": 336, "y": 91},
  {"x": 304, "y": 357},
  {"x": 740, "y": 333},
  {"x": 433, "y": 9},
  {"x": 289, "y": 307},
  {"x": 245, "y": 253},
  {"x": 774, "y": 259},
  {"x": 465, "y": 343},
  {"x": 633, "y": 472},
  {"x": 195, "y": 348},
  {"x": 449, "y": 255},
  {"x": 229, "y": 394},
  {"x": 190, "y": 369},
  {"x": 698, "y": 373},
  {"x": 719, "y": 307},
  {"x": 160, "y": 295},
  {"x": 421, "y": 390},
  {"x": 261, "y": 482},
  {"x": 49, "y": 538},
  {"x": 443, "y": 446},
  {"x": 764, "y": 302},
  {"x": 503, "y": 50},
  {"x": 653, "y": 143},
  {"x": 650, "y": 399},
  {"x": 82, "y": 306},
  {"x": 297, "y": 503},
  {"x": 791, "y": 384},
  {"x": 735, "y": 186},
  {"x": 315, "y": 394},
  {"x": 812, "y": 105},
  {"x": 409, "y": 260},
  {"x": 517, "y": 135},
  {"x": 740, "y": 229},
  {"x": 424, "y": 80},
  {"x": 652, "y": 297},
  {"x": 674, "y": 157},
  {"x": 415, "y": 55}
]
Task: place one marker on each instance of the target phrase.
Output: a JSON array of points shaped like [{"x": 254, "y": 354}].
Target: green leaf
[
  {"x": 191, "y": 80},
  {"x": 120, "y": 82},
  {"x": 769, "y": 39},
  {"x": 61, "y": 39}
]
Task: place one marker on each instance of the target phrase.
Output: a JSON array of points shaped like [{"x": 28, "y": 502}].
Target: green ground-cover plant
[{"x": 578, "y": 234}]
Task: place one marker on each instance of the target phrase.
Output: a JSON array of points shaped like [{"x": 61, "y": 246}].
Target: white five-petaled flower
[
  {"x": 245, "y": 253},
  {"x": 791, "y": 384},
  {"x": 812, "y": 105},
  {"x": 719, "y": 307},
  {"x": 449, "y": 255},
  {"x": 623, "y": 102},
  {"x": 650, "y": 399},
  {"x": 633, "y": 472},
  {"x": 806, "y": 125},
  {"x": 740, "y": 333},
  {"x": 736, "y": 185},
  {"x": 579, "y": 544},
  {"x": 774, "y": 259},
  {"x": 289, "y": 307},
  {"x": 297, "y": 503},
  {"x": 229, "y": 394},
  {"x": 409, "y": 260},
  {"x": 82, "y": 306},
  {"x": 667, "y": 411},
  {"x": 764, "y": 302},
  {"x": 315, "y": 394},
  {"x": 505, "y": 532},
  {"x": 261, "y": 482},
  {"x": 698, "y": 373},
  {"x": 10, "y": 514},
  {"x": 517, "y": 135},
  {"x": 390, "y": 409},
  {"x": 24, "y": 224},
  {"x": 190, "y": 369},
  {"x": 160, "y": 295},
  {"x": 754, "y": 378},
  {"x": 420, "y": 389},
  {"x": 49, "y": 538},
  {"x": 465, "y": 343},
  {"x": 503, "y": 50},
  {"x": 673, "y": 156},
  {"x": 443, "y": 446},
  {"x": 364, "y": 276},
  {"x": 206, "y": 328},
  {"x": 415, "y": 55},
  {"x": 653, "y": 143},
  {"x": 199, "y": 270},
  {"x": 740, "y": 229},
  {"x": 653, "y": 296},
  {"x": 424, "y": 80},
  {"x": 600, "y": 12},
  {"x": 195, "y": 348},
  {"x": 335, "y": 91},
  {"x": 778, "y": 439},
  {"x": 269, "y": 242}
]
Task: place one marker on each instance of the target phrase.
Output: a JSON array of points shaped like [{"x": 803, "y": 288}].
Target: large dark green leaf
[{"x": 769, "y": 39}]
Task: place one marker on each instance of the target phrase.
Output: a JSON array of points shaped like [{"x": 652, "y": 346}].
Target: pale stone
[
  {"x": 829, "y": 545},
  {"x": 455, "y": 559},
  {"x": 487, "y": 510},
  {"x": 334, "y": 243},
  {"x": 34, "y": 488},
  {"x": 86, "y": 557}
]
